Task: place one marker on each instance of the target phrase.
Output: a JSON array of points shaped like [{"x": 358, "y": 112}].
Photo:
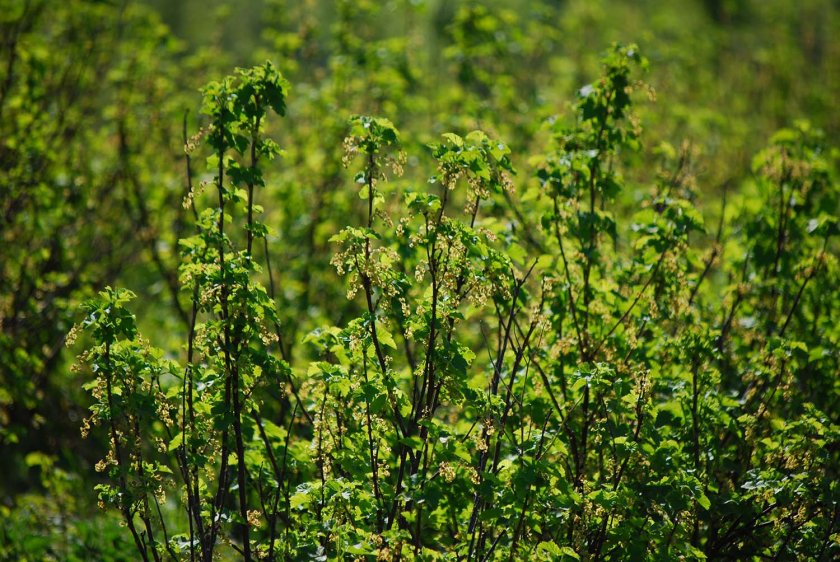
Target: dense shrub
[
  {"x": 550, "y": 317},
  {"x": 562, "y": 383}
]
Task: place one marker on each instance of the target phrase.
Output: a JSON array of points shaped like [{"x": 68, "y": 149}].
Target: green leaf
[
  {"x": 549, "y": 548},
  {"x": 300, "y": 499},
  {"x": 176, "y": 442},
  {"x": 385, "y": 338}
]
